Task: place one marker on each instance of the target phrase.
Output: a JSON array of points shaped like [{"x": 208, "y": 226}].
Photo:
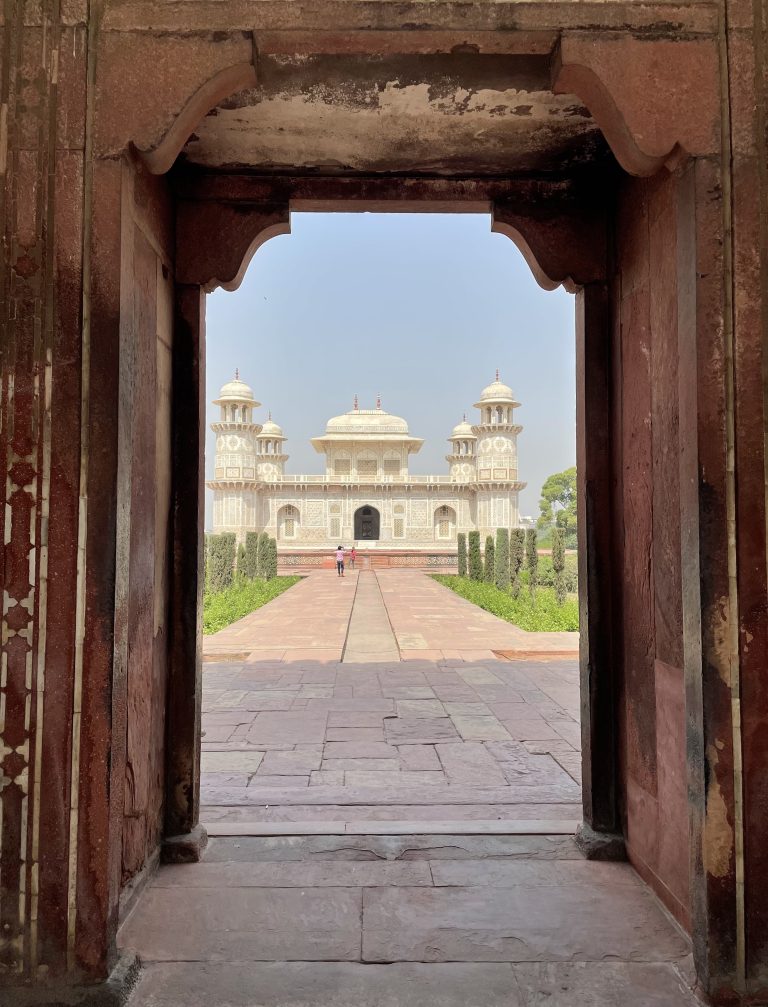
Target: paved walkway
[
  {"x": 311, "y": 621},
  {"x": 370, "y": 637},
  {"x": 451, "y": 741},
  {"x": 422, "y": 921},
  {"x": 293, "y": 733}
]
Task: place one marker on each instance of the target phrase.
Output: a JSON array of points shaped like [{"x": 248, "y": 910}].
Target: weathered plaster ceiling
[{"x": 437, "y": 114}]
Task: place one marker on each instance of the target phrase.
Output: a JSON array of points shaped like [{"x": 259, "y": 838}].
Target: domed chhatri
[
  {"x": 272, "y": 429},
  {"x": 463, "y": 429},
  {"x": 236, "y": 391},
  {"x": 497, "y": 392},
  {"x": 367, "y": 495}
]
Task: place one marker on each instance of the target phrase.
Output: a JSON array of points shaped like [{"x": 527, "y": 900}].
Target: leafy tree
[
  {"x": 461, "y": 540},
  {"x": 221, "y": 561},
  {"x": 558, "y": 501},
  {"x": 558, "y": 564},
  {"x": 516, "y": 558},
  {"x": 262, "y": 559},
  {"x": 532, "y": 559},
  {"x": 250, "y": 564},
  {"x": 488, "y": 566},
  {"x": 475, "y": 560},
  {"x": 502, "y": 559}
]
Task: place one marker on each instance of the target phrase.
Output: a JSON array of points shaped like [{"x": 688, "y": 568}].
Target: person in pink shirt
[{"x": 340, "y": 561}]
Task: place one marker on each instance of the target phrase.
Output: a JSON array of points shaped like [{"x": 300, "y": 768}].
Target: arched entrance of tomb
[
  {"x": 367, "y": 524},
  {"x": 667, "y": 249}
]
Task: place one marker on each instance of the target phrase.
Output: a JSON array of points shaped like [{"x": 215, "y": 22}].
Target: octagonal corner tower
[{"x": 496, "y": 458}]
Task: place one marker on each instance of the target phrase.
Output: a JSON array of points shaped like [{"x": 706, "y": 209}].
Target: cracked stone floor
[{"x": 390, "y": 806}]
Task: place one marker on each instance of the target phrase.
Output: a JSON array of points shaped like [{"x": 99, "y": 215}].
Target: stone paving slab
[
  {"x": 245, "y": 924},
  {"x": 518, "y": 924},
  {"x": 369, "y": 733},
  {"x": 525, "y": 920}
]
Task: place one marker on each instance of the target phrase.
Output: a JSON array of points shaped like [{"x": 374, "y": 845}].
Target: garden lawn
[
  {"x": 244, "y": 596},
  {"x": 539, "y": 615}
]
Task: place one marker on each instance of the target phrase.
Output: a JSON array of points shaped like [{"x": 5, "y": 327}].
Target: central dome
[{"x": 367, "y": 421}]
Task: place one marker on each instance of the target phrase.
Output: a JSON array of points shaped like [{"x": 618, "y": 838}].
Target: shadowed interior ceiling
[{"x": 444, "y": 114}]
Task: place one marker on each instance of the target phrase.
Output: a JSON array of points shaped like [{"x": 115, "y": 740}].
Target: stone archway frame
[{"x": 640, "y": 92}]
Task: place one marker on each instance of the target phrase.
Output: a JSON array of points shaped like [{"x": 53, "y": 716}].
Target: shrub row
[{"x": 256, "y": 559}]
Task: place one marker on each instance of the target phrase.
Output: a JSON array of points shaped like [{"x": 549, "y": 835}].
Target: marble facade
[{"x": 367, "y": 496}]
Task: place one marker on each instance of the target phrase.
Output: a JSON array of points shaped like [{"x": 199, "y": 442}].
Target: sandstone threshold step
[{"x": 479, "y": 827}]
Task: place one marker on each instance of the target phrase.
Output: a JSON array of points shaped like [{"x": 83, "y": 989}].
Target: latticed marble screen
[
  {"x": 342, "y": 467},
  {"x": 391, "y": 466},
  {"x": 335, "y": 528},
  {"x": 367, "y": 467},
  {"x": 398, "y": 528}
]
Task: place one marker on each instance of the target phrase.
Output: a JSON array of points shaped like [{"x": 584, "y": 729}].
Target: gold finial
[
  {"x": 497, "y": 374},
  {"x": 378, "y": 401},
  {"x": 237, "y": 374},
  {"x": 356, "y": 403}
]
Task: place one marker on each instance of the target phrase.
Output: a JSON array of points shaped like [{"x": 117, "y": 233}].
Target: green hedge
[
  {"x": 532, "y": 559},
  {"x": 262, "y": 554},
  {"x": 539, "y": 614},
  {"x": 475, "y": 559},
  {"x": 461, "y": 542},
  {"x": 250, "y": 564},
  {"x": 221, "y": 561},
  {"x": 502, "y": 578},
  {"x": 516, "y": 556},
  {"x": 489, "y": 560},
  {"x": 270, "y": 569}
]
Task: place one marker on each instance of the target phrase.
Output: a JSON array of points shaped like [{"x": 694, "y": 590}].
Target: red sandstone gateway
[{"x": 147, "y": 151}]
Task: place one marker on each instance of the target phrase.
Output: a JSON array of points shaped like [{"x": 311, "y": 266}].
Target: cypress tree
[
  {"x": 558, "y": 564},
  {"x": 250, "y": 564},
  {"x": 221, "y": 561},
  {"x": 502, "y": 559},
  {"x": 262, "y": 557},
  {"x": 489, "y": 564},
  {"x": 475, "y": 560},
  {"x": 461, "y": 541},
  {"x": 532, "y": 560},
  {"x": 516, "y": 560},
  {"x": 271, "y": 569}
]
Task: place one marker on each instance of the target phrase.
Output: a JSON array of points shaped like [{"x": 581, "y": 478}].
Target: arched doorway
[{"x": 367, "y": 524}]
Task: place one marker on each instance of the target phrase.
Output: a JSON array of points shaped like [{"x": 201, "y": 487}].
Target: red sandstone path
[
  {"x": 378, "y": 701},
  {"x": 391, "y": 831},
  {"x": 311, "y": 621}
]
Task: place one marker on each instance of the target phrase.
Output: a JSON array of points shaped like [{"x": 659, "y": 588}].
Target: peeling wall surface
[
  {"x": 448, "y": 114},
  {"x": 147, "y": 150}
]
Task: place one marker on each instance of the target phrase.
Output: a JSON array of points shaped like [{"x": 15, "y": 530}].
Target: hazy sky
[{"x": 421, "y": 308}]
